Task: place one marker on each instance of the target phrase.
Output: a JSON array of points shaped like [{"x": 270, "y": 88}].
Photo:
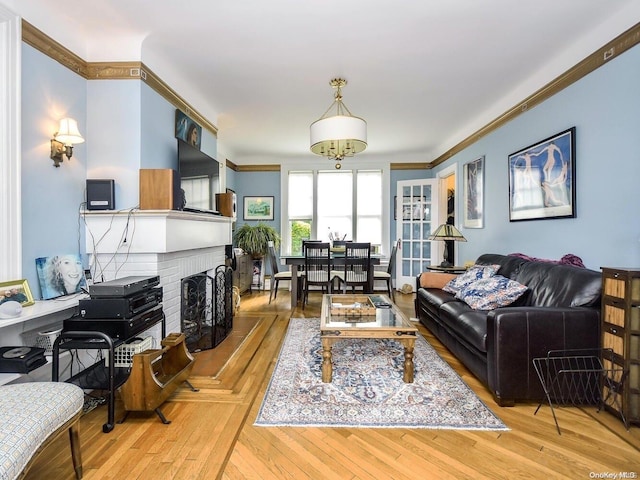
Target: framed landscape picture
[
  {"x": 542, "y": 179},
  {"x": 473, "y": 189},
  {"x": 258, "y": 208}
]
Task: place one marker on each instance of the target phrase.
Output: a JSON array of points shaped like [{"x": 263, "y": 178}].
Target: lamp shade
[
  {"x": 338, "y": 136},
  {"x": 68, "y": 133},
  {"x": 447, "y": 232}
]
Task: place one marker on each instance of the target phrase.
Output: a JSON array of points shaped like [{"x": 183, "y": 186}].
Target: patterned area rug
[{"x": 367, "y": 390}]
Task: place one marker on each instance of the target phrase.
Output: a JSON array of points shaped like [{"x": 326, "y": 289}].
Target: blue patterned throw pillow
[
  {"x": 473, "y": 274},
  {"x": 490, "y": 293}
]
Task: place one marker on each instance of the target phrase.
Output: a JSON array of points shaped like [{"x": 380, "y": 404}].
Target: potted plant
[{"x": 254, "y": 239}]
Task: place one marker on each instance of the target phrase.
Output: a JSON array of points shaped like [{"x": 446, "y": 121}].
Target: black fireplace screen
[{"x": 206, "y": 309}]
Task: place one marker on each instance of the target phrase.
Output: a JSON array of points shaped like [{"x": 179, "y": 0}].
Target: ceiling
[{"x": 424, "y": 74}]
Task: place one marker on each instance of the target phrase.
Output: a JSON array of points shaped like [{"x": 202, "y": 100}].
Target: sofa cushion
[
  {"x": 491, "y": 293},
  {"x": 471, "y": 275},
  {"x": 560, "y": 285},
  {"x": 433, "y": 298},
  {"x": 509, "y": 266},
  {"x": 468, "y": 324},
  {"x": 435, "y": 279}
]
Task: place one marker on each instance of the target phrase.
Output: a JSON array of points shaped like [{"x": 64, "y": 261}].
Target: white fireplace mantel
[
  {"x": 170, "y": 244},
  {"x": 154, "y": 231}
]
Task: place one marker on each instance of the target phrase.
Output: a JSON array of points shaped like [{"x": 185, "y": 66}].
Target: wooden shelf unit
[
  {"x": 621, "y": 333},
  {"x": 243, "y": 274}
]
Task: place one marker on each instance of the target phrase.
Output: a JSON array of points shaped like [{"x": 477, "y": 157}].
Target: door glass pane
[
  {"x": 406, "y": 231},
  {"x": 406, "y": 268},
  {"x": 426, "y": 250},
  {"x": 416, "y": 267},
  {"x": 416, "y": 231}
]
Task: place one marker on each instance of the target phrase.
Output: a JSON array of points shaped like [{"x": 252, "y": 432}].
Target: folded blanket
[{"x": 568, "y": 259}]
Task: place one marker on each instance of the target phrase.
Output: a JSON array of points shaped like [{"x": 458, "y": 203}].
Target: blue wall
[
  {"x": 604, "y": 109},
  {"x": 51, "y": 197},
  {"x": 257, "y": 184},
  {"x": 126, "y": 126}
]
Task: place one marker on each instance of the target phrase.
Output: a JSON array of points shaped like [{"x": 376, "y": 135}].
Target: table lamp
[{"x": 447, "y": 232}]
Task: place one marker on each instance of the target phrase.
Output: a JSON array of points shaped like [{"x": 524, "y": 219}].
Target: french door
[{"x": 417, "y": 216}]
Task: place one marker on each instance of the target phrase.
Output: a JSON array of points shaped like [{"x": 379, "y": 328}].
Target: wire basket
[
  {"x": 42, "y": 337},
  {"x": 123, "y": 354}
]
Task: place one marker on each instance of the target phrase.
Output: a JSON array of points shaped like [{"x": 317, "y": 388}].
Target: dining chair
[
  {"x": 357, "y": 267},
  {"x": 276, "y": 274},
  {"x": 317, "y": 267},
  {"x": 388, "y": 276}
]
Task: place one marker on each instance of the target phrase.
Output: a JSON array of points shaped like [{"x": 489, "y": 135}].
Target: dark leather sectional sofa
[{"x": 559, "y": 311}]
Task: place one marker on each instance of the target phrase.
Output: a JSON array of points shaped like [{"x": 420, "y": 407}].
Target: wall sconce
[{"x": 64, "y": 139}]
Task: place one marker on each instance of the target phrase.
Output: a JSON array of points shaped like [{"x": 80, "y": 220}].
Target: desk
[{"x": 336, "y": 259}]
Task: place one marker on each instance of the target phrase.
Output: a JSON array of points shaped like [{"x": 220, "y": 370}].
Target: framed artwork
[
  {"x": 258, "y": 208},
  {"x": 542, "y": 179},
  {"x": 188, "y": 130},
  {"x": 60, "y": 275},
  {"x": 473, "y": 193},
  {"x": 16, "y": 291}
]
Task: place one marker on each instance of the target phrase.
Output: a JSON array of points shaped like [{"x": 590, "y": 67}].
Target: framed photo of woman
[{"x": 60, "y": 275}]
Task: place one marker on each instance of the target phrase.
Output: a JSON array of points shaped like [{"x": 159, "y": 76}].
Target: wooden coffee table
[{"x": 386, "y": 323}]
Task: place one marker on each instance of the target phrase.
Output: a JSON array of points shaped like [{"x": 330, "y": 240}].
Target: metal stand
[{"x": 578, "y": 377}]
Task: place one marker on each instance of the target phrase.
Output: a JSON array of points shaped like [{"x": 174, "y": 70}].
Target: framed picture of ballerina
[{"x": 542, "y": 179}]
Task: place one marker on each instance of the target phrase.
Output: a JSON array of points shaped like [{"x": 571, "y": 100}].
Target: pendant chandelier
[{"x": 340, "y": 135}]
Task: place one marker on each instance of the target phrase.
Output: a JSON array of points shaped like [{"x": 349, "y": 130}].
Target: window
[{"x": 325, "y": 204}]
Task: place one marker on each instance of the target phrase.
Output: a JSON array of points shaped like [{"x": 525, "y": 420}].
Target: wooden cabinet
[
  {"x": 243, "y": 274},
  {"x": 621, "y": 333}
]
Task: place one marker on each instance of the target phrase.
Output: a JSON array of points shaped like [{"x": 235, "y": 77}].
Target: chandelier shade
[{"x": 340, "y": 135}]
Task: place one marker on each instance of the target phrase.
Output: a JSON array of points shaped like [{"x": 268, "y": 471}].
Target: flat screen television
[{"x": 199, "y": 178}]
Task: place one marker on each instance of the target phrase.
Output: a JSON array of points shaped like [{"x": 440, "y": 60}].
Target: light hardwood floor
[{"x": 212, "y": 434}]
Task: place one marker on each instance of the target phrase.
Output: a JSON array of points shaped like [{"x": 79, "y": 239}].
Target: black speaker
[{"x": 101, "y": 194}]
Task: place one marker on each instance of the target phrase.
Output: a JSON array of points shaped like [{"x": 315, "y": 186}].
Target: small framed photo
[
  {"x": 542, "y": 179},
  {"x": 258, "y": 208},
  {"x": 16, "y": 291},
  {"x": 473, "y": 190}
]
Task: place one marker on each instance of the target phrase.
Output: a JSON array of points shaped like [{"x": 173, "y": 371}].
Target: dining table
[{"x": 337, "y": 259}]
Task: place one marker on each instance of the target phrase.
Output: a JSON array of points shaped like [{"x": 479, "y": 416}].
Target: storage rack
[{"x": 579, "y": 377}]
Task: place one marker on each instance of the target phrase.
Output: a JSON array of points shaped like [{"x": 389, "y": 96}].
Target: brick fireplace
[{"x": 171, "y": 244}]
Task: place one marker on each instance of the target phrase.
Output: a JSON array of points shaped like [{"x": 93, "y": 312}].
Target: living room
[{"x": 128, "y": 125}]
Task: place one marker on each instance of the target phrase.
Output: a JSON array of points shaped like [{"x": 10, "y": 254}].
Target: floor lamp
[{"x": 447, "y": 232}]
